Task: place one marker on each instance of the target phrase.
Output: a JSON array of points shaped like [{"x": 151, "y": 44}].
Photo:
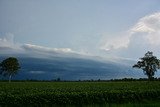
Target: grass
[{"x": 80, "y": 93}]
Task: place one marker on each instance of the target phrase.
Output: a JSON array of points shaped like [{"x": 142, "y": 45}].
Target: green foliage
[
  {"x": 77, "y": 93},
  {"x": 149, "y": 64},
  {"x": 9, "y": 66}
]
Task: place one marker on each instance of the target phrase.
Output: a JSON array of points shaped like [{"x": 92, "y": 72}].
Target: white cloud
[
  {"x": 150, "y": 25},
  {"x": 37, "y": 72},
  {"x": 7, "y": 46},
  {"x": 46, "y": 49},
  {"x": 115, "y": 43},
  {"x": 145, "y": 33},
  {"x": 7, "y": 40}
]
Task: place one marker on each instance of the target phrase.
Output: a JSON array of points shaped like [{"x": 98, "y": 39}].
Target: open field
[{"x": 79, "y": 93}]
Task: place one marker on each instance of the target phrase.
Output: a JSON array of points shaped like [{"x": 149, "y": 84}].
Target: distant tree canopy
[
  {"x": 149, "y": 64},
  {"x": 10, "y": 67}
]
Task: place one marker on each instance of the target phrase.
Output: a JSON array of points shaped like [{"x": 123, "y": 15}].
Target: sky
[{"x": 106, "y": 28}]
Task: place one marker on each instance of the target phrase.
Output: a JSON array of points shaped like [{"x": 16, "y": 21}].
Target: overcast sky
[{"x": 120, "y": 28}]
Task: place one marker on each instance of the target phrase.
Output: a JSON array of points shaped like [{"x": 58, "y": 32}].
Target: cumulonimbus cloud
[
  {"x": 147, "y": 29},
  {"x": 150, "y": 25}
]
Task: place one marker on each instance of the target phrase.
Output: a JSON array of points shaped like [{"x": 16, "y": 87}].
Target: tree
[
  {"x": 10, "y": 67},
  {"x": 149, "y": 64}
]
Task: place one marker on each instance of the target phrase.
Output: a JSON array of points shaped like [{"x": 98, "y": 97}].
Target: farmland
[{"x": 78, "y": 93}]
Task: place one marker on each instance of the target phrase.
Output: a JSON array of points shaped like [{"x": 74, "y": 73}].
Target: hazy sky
[{"x": 122, "y": 28}]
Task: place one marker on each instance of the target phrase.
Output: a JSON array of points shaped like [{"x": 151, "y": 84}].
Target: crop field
[{"x": 78, "y": 93}]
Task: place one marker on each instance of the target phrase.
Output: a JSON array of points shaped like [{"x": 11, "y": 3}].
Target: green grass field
[{"x": 80, "y": 93}]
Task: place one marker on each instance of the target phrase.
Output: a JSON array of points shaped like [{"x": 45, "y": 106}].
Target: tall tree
[
  {"x": 149, "y": 64},
  {"x": 10, "y": 67}
]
